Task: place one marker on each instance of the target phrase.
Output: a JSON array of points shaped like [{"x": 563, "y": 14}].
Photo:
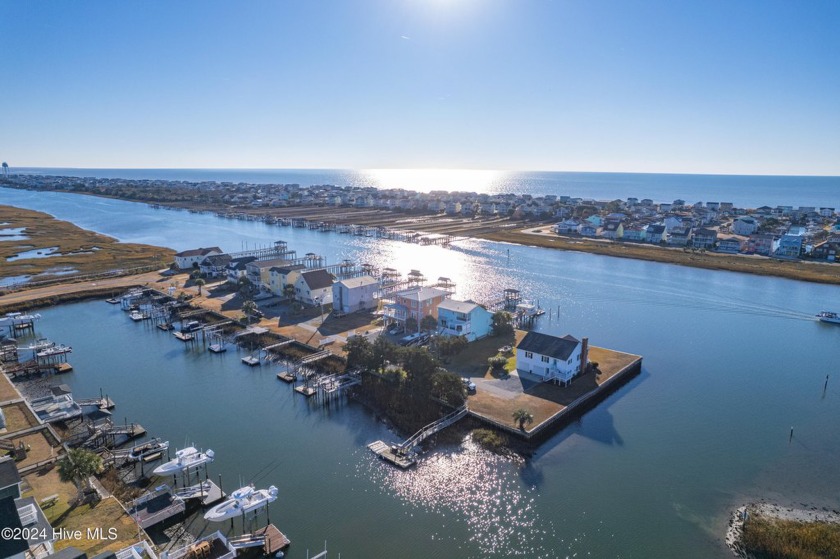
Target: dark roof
[
  {"x": 286, "y": 269},
  {"x": 104, "y": 555},
  {"x": 656, "y": 229},
  {"x": 217, "y": 260},
  {"x": 317, "y": 279},
  {"x": 9, "y": 519},
  {"x": 198, "y": 251},
  {"x": 559, "y": 348},
  {"x": 241, "y": 262},
  {"x": 76, "y": 553},
  {"x": 705, "y": 232},
  {"x": 60, "y": 389},
  {"x": 8, "y": 473}
]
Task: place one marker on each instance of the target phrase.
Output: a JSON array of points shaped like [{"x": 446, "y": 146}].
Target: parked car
[{"x": 469, "y": 384}]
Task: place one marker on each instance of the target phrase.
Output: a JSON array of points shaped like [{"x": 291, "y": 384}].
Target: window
[
  {"x": 529, "y": 355},
  {"x": 544, "y": 358}
]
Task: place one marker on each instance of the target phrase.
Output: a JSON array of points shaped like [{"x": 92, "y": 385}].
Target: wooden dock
[
  {"x": 183, "y": 336},
  {"x": 286, "y": 376},
  {"x": 392, "y": 454},
  {"x": 305, "y": 390},
  {"x": 251, "y": 361},
  {"x": 275, "y": 540}
]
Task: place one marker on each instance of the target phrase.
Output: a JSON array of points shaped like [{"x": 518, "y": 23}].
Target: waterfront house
[
  {"x": 191, "y": 258},
  {"x": 415, "y": 302},
  {"x": 587, "y": 229},
  {"x": 827, "y": 250},
  {"x": 761, "y": 244},
  {"x": 612, "y": 230},
  {"x": 554, "y": 359},
  {"x": 281, "y": 276},
  {"x": 704, "y": 238},
  {"x": 655, "y": 234},
  {"x": 214, "y": 265},
  {"x": 464, "y": 318},
  {"x": 788, "y": 246},
  {"x": 259, "y": 271},
  {"x": 355, "y": 294},
  {"x": 731, "y": 245},
  {"x": 566, "y": 227},
  {"x": 745, "y": 225},
  {"x": 634, "y": 233},
  {"x": 827, "y": 212},
  {"x": 314, "y": 287},
  {"x": 23, "y": 515},
  {"x": 679, "y": 237},
  {"x": 237, "y": 268}
]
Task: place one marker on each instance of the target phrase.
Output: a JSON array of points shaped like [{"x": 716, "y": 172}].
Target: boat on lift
[
  {"x": 41, "y": 344},
  {"x": 185, "y": 459},
  {"x": 242, "y": 501},
  {"x": 54, "y": 350},
  {"x": 149, "y": 448}
]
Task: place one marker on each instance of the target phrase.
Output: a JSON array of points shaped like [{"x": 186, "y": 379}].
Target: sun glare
[{"x": 426, "y": 180}]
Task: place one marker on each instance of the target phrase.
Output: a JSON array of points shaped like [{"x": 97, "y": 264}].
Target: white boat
[
  {"x": 148, "y": 448},
  {"x": 136, "y": 316},
  {"x": 830, "y": 317},
  {"x": 185, "y": 459},
  {"x": 217, "y": 348},
  {"x": 242, "y": 501},
  {"x": 54, "y": 350},
  {"x": 41, "y": 344}
]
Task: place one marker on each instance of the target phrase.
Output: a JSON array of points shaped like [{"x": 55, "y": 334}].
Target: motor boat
[
  {"x": 242, "y": 501},
  {"x": 41, "y": 344},
  {"x": 185, "y": 459},
  {"x": 148, "y": 448},
  {"x": 54, "y": 350},
  {"x": 830, "y": 317}
]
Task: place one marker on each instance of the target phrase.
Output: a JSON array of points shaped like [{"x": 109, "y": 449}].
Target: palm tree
[
  {"x": 289, "y": 291},
  {"x": 77, "y": 467},
  {"x": 5, "y": 169},
  {"x": 200, "y": 283},
  {"x": 249, "y": 308},
  {"x": 523, "y": 416}
]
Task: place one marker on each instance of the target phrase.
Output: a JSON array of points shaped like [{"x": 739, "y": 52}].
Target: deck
[
  {"x": 391, "y": 454},
  {"x": 155, "y": 507},
  {"x": 275, "y": 540}
]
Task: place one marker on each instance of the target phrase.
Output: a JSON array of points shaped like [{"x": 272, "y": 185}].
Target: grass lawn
[
  {"x": 40, "y": 445},
  {"x": 7, "y": 389},
  {"x": 107, "y": 513},
  {"x": 472, "y": 362},
  {"x": 18, "y": 417},
  {"x": 46, "y": 483}
]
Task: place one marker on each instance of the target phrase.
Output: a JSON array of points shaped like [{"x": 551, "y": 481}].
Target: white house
[
  {"x": 460, "y": 318},
  {"x": 557, "y": 360},
  {"x": 237, "y": 268},
  {"x": 314, "y": 287},
  {"x": 355, "y": 294},
  {"x": 745, "y": 226},
  {"x": 185, "y": 260}
]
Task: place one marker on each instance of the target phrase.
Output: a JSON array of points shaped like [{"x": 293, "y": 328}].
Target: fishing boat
[
  {"x": 830, "y": 317},
  {"x": 185, "y": 459},
  {"x": 242, "y": 501},
  {"x": 148, "y": 448}
]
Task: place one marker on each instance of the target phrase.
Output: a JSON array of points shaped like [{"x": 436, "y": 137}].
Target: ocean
[{"x": 747, "y": 191}]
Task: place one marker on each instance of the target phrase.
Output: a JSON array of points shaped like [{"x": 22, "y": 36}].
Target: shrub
[{"x": 497, "y": 362}]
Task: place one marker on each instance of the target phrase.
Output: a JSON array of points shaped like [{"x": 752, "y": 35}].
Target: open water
[{"x": 731, "y": 363}]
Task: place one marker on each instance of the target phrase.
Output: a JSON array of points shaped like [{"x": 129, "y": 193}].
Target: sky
[{"x": 705, "y": 86}]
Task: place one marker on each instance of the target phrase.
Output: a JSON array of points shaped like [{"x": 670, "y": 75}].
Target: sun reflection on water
[
  {"x": 482, "y": 487},
  {"x": 426, "y": 180}
]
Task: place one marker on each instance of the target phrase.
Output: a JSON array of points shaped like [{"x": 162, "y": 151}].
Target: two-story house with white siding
[
  {"x": 185, "y": 260},
  {"x": 557, "y": 360}
]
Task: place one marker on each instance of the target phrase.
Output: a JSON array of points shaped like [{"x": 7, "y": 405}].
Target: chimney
[{"x": 584, "y": 354}]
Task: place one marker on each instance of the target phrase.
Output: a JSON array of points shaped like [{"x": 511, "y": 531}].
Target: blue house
[{"x": 458, "y": 318}]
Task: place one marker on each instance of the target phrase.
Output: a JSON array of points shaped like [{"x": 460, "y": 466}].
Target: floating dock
[
  {"x": 286, "y": 376},
  {"x": 274, "y": 539},
  {"x": 183, "y": 336},
  {"x": 392, "y": 454},
  {"x": 305, "y": 390},
  {"x": 251, "y": 361}
]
